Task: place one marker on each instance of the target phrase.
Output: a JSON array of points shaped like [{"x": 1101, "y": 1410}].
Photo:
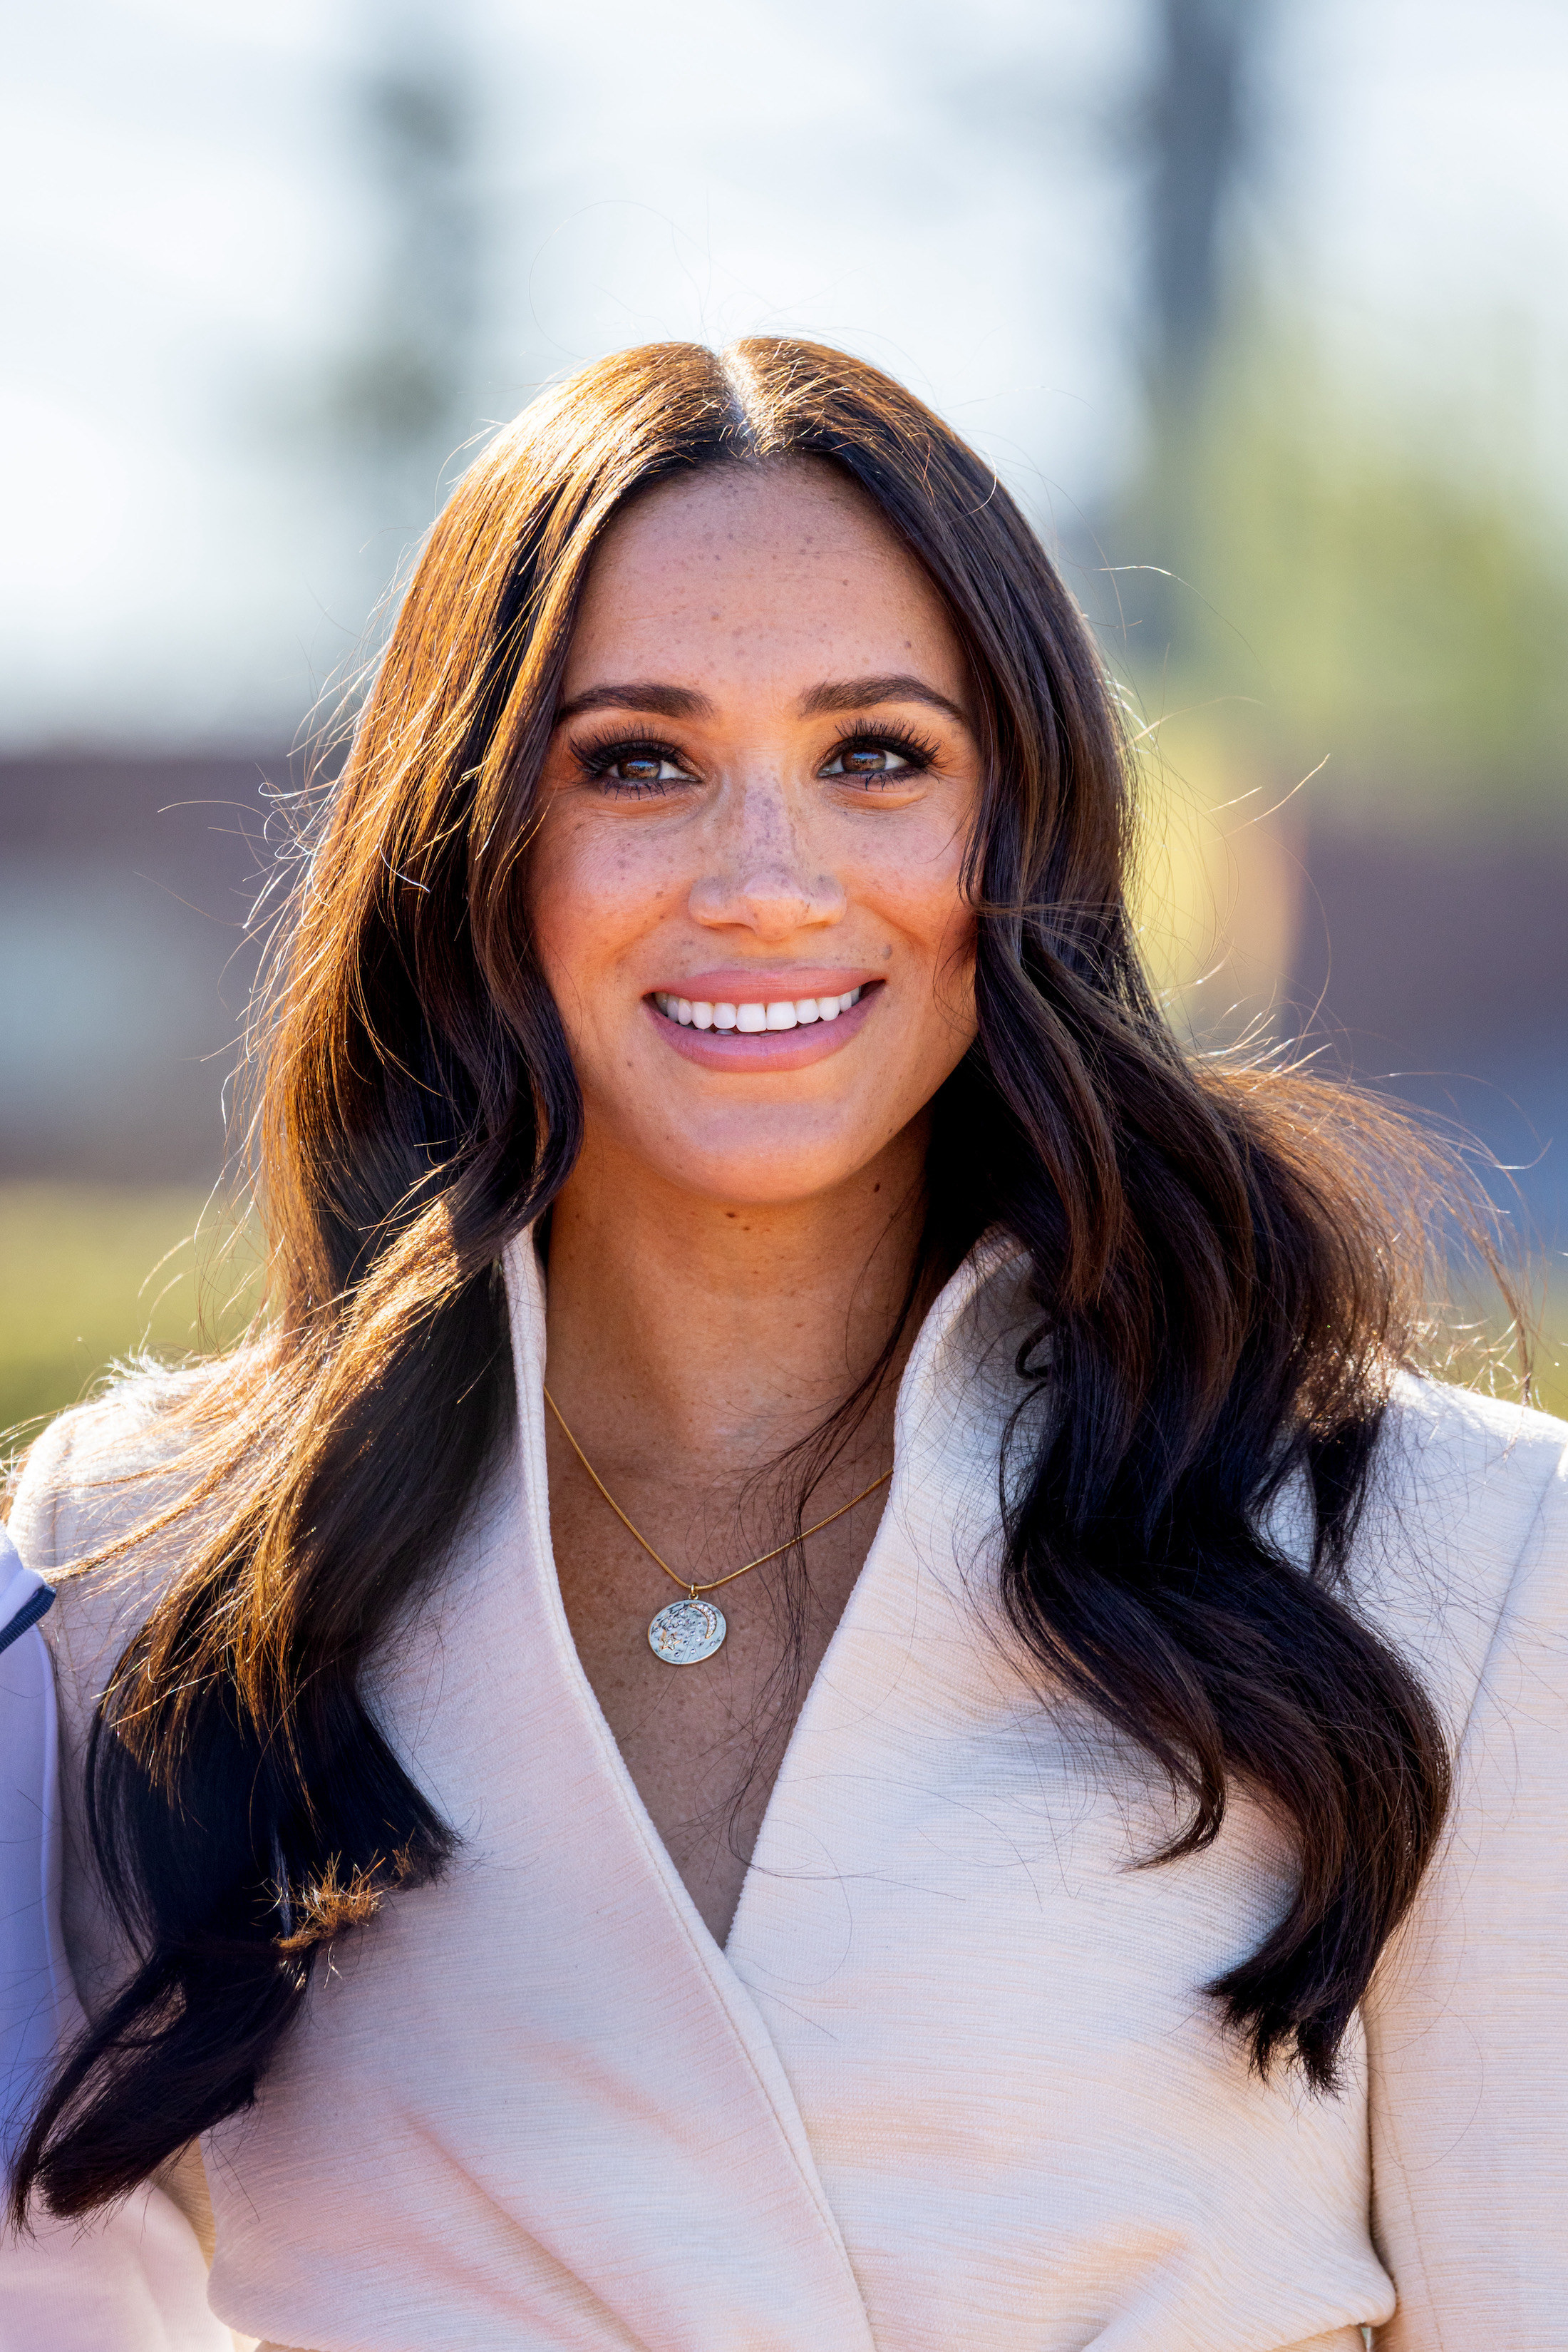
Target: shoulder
[
  {"x": 1476, "y": 1471},
  {"x": 1464, "y": 1541},
  {"x": 62, "y": 1489},
  {"x": 96, "y": 1476},
  {"x": 101, "y": 1470}
]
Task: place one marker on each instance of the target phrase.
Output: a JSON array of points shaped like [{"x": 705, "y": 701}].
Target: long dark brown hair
[{"x": 1224, "y": 1275}]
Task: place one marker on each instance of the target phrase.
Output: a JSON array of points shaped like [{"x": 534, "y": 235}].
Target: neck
[{"x": 723, "y": 1332}]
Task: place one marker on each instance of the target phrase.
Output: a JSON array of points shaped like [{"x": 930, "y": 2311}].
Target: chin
[
  {"x": 767, "y": 1170},
  {"x": 759, "y": 1181}
]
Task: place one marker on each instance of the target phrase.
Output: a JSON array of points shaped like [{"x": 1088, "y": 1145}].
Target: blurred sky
[{"x": 188, "y": 230}]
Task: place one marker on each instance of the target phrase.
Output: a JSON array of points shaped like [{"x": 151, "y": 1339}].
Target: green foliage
[{"x": 1385, "y": 588}]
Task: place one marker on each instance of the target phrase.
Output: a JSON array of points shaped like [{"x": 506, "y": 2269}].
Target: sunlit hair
[{"x": 1228, "y": 1266}]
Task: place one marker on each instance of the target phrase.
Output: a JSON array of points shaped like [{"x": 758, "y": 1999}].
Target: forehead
[{"x": 758, "y": 575}]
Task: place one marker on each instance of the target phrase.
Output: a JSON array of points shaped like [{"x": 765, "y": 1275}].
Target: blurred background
[{"x": 1258, "y": 305}]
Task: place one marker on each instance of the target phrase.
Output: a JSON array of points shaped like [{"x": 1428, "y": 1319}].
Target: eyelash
[
  {"x": 864, "y": 737},
  {"x": 597, "y": 757}
]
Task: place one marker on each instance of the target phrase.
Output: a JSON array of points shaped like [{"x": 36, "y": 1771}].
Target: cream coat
[{"x": 953, "y": 2083}]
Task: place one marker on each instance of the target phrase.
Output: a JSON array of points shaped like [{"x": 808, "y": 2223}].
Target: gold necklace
[{"x": 686, "y": 1631}]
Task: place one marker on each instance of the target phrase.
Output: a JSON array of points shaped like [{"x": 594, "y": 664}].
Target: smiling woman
[{"x": 715, "y": 1133}]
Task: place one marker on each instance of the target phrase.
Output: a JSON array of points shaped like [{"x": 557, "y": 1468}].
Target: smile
[
  {"x": 737, "y": 1034},
  {"x": 752, "y": 1019}
]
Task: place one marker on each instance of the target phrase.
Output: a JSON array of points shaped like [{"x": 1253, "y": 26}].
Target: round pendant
[{"x": 687, "y": 1633}]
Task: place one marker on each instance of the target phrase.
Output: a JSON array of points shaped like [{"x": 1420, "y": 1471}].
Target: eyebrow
[
  {"x": 645, "y": 693},
  {"x": 832, "y": 697},
  {"x": 864, "y": 693}
]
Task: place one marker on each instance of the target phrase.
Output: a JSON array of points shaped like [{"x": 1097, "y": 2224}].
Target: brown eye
[
  {"x": 636, "y": 768},
  {"x": 869, "y": 759}
]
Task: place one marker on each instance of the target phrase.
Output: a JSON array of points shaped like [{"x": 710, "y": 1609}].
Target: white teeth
[{"x": 754, "y": 1018}]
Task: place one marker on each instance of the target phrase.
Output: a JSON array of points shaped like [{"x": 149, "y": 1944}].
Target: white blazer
[{"x": 953, "y": 2082}]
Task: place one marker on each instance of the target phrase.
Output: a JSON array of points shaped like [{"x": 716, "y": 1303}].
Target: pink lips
[{"x": 778, "y": 1050}]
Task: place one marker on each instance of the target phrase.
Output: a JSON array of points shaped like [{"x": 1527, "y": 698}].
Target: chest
[
  {"x": 702, "y": 1742},
  {"x": 953, "y": 2081}
]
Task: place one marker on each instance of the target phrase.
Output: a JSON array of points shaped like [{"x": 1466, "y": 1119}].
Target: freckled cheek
[
  {"x": 593, "y": 901},
  {"x": 920, "y": 895},
  {"x": 939, "y": 929}
]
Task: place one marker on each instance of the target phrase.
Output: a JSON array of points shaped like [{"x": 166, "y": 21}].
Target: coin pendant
[{"x": 687, "y": 1633}]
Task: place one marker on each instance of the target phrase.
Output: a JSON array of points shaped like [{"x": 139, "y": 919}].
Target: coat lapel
[{"x": 581, "y": 2131}]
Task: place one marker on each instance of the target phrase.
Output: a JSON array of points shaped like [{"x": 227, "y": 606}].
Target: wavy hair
[{"x": 1221, "y": 1264}]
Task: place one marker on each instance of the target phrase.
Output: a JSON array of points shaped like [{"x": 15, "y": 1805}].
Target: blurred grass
[{"x": 88, "y": 1274}]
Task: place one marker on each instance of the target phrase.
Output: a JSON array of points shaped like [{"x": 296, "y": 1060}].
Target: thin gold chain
[{"x": 684, "y": 1582}]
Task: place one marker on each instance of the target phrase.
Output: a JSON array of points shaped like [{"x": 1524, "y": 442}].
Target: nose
[{"x": 762, "y": 877}]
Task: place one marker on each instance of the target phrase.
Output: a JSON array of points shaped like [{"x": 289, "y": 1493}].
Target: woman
[{"x": 828, "y": 1682}]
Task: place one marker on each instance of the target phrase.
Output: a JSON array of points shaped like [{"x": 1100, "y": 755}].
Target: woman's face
[{"x": 745, "y": 887}]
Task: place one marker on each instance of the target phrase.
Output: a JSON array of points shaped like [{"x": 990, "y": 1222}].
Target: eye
[
  {"x": 641, "y": 768},
  {"x": 876, "y": 755},
  {"x": 867, "y": 760},
  {"x": 635, "y": 768}
]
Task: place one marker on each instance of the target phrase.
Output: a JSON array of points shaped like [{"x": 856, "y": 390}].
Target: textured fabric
[{"x": 954, "y": 2081}]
